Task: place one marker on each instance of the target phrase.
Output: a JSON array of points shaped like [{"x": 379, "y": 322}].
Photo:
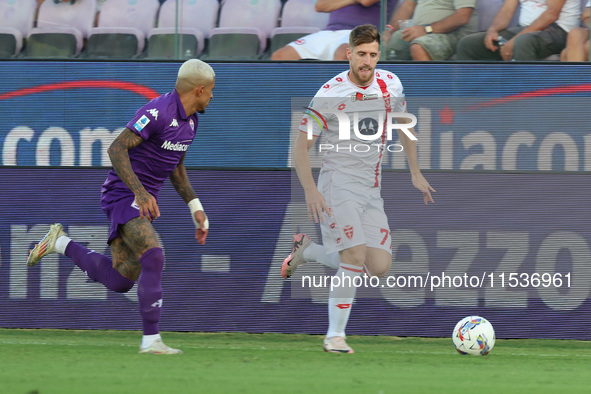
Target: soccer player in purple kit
[{"x": 150, "y": 149}]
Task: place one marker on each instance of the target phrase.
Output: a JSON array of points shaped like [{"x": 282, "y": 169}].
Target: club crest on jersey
[
  {"x": 363, "y": 97},
  {"x": 192, "y": 124},
  {"x": 348, "y": 231},
  {"x": 141, "y": 123}
]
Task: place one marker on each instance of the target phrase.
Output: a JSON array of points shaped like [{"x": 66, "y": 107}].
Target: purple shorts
[{"x": 119, "y": 212}]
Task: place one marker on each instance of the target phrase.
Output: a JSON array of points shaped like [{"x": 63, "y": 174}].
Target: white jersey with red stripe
[{"x": 357, "y": 147}]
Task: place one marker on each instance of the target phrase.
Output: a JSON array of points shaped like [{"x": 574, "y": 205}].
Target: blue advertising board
[
  {"x": 524, "y": 117},
  {"x": 514, "y": 248}
]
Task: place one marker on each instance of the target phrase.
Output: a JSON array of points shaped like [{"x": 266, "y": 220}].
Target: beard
[{"x": 363, "y": 78}]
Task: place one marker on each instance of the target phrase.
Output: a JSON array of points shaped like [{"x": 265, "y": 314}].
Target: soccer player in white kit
[{"x": 347, "y": 200}]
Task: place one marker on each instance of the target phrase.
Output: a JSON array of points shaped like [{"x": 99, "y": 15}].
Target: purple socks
[
  {"x": 149, "y": 289},
  {"x": 98, "y": 267}
]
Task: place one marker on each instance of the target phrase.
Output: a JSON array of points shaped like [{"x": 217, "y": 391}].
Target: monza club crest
[{"x": 348, "y": 231}]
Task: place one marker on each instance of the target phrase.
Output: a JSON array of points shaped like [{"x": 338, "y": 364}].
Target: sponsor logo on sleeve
[{"x": 141, "y": 123}]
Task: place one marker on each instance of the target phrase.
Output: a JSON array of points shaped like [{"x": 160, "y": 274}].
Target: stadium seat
[
  {"x": 297, "y": 13},
  {"x": 244, "y": 29},
  {"x": 192, "y": 23},
  {"x": 298, "y": 18},
  {"x": 16, "y": 20},
  {"x": 122, "y": 29},
  {"x": 60, "y": 29}
]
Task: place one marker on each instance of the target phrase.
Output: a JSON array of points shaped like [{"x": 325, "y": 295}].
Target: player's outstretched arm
[
  {"x": 418, "y": 180},
  {"x": 314, "y": 199},
  {"x": 182, "y": 185},
  {"x": 119, "y": 155}
]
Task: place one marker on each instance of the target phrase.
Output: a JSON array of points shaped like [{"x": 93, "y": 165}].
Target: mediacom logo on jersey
[{"x": 368, "y": 129}]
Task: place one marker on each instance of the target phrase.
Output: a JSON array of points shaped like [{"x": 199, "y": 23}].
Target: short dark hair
[{"x": 364, "y": 34}]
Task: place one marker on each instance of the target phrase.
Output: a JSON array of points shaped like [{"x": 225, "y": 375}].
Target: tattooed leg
[
  {"x": 139, "y": 236},
  {"x": 125, "y": 260}
]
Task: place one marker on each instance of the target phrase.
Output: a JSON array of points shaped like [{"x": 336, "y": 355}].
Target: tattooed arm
[
  {"x": 180, "y": 181},
  {"x": 119, "y": 155}
]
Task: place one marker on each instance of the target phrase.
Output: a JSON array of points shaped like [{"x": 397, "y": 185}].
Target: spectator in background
[
  {"x": 542, "y": 31},
  {"x": 577, "y": 41},
  {"x": 436, "y": 28},
  {"x": 332, "y": 42}
]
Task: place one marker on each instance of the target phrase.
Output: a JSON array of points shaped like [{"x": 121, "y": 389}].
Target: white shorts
[
  {"x": 357, "y": 214},
  {"x": 320, "y": 45}
]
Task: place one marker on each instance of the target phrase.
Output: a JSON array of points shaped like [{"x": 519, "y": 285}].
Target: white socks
[
  {"x": 341, "y": 297},
  {"x": 341, "y": 300},
  {"x": 316, "y": 252},
  {"x": 61, "y": 243},
  {"x": 148, "y": 340}
]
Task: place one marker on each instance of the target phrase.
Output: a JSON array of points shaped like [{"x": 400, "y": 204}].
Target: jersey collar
[{"x": 359, "y": 86}]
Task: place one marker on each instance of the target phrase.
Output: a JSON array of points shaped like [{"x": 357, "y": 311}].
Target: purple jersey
[
  {"x": 167, "y": 132},
  {"x": 348, "y": 17}
]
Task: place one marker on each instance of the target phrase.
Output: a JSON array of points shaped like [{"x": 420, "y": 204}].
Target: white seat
[
  {"x": 11, "y": 41},
  {"x": 61, "y": 29},
  {"x": 193, "y": 22},
  {"x": 195, "y": 14},
  {"x": 16, "y": 21},
  {"x": 79, "y": 15},
  {"x": 302, "y": 13},
  {"x": 122, "y": 28},
  {"x": 298, "y": 19},
  {"x": 253, "y": 20},
  {"x": 54, "y": 42},
  {"x": 162, "y": 40}
]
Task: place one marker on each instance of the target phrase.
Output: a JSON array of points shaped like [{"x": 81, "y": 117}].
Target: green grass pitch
[{"x": 92, "y": 361}]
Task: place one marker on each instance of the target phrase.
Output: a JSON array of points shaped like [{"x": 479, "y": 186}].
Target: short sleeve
[
  {"x": 396, "y": 90},
  {"x": 313, "y": 119},
  {"x": 464, "y": 4},
  {"x": 400, "y": 101}
]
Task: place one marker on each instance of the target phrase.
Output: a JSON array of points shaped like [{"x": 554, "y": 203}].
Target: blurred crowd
[{"x": 288, "y": 30}]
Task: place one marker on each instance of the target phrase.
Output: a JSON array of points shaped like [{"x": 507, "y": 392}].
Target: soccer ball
[{"x": 474, "y": 335}]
